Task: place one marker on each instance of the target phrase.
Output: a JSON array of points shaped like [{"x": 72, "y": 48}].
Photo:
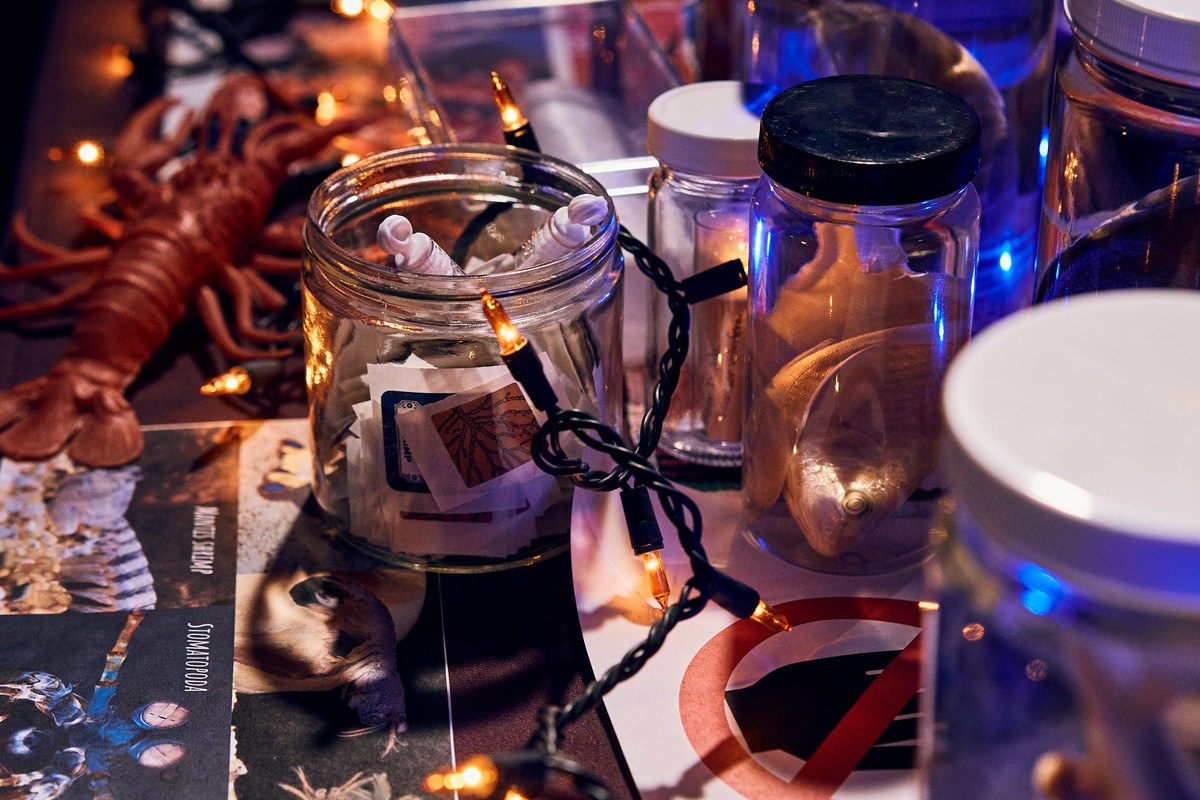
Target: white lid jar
[
  {"x": 705, "y": 137},
  {"x": 1121, "y": 203},
  {"x": 1067, "y": 583}
]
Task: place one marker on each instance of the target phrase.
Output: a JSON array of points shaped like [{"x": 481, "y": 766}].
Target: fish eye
[{"x": 855, "y": 503}]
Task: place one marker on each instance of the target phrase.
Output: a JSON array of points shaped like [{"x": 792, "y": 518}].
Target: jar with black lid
[{"x": 863, "y": 242}]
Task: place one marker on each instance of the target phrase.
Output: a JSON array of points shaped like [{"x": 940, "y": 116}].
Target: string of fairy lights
[{"x": 528, "y": 773}]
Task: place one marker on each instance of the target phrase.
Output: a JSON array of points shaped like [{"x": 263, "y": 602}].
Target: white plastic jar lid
[
  {"x": 1073, "y": 439},
  {"x": 704, "y": 128},
  {"x": 1158, "y": 37}
]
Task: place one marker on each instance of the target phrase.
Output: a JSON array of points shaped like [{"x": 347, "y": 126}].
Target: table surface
[{"x": 512, "y": 638}]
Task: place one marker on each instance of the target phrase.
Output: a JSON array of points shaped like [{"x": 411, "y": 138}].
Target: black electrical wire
[{"x": 633, "y": 468}]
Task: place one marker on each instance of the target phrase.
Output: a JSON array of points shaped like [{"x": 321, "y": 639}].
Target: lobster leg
[
  {"x": 28, "y": 240},
  {"x": 265, "y": 295},
  {"x": 214, "y": 322},
  {"x": 283, "y": 237},
  {"x": 70, "y": 262},
  {"x": 275, "y": 265},
  {"x": 57, "y": 302},
  {"x": 243, "y": 309}
]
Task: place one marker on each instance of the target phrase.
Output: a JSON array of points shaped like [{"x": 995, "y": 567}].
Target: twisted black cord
[{"x": 632, "y": 465}]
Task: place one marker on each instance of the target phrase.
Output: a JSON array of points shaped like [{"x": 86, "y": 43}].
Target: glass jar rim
[{"x": 373, "y": 276}]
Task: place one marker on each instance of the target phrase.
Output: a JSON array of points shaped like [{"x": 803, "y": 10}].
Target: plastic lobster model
[{"x": 174, "y": 242}]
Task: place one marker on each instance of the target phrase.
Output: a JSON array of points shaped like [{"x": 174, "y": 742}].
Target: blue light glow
[
  {"x": 1043, "y": 592},
  {"x": 1006, "y": 259},
  {"x": 1043, "y": 154},
  {"x": 1037, "y": 602}
]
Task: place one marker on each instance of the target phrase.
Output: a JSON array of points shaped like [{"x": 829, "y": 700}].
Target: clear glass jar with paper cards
[
  {"x": 865, "y": 229},
  {"x": 421, "y": 436},
  {"x": 706, "y": 142},
  {"x": 1122, "y": 196},
  {"x": 1062, "y": 609}
]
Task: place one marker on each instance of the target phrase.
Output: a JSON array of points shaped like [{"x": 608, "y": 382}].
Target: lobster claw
[{"x": 139, "y": 151}]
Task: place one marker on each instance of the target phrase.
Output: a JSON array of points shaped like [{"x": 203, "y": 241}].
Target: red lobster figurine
[{"x": 176, "y": 240}]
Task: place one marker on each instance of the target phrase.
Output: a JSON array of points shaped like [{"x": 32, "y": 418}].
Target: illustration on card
[
  {"x": 333, "y": 667},
  {"x": 156, "y": 714},
  {"x": 155, "y": 534}
]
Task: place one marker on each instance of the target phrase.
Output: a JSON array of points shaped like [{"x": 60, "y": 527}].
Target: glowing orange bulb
[
  {"x": 770, "y": 617},
  {"x": 89, "y": 153},
  {"x": 326, "y": 108},
  {"x": 380, "y": 9},
  {"x": 657, "y": 575},
  {"x": 120, "y": 65},
  {"x": 350, "y": 158},
  {"x": 348, "y": 8},
  {"x": 507, "y": 335},
  {"x": 510, "y": 113},
  {"x": 477, "y": 778},
  {"x": 235, "y": 381}
]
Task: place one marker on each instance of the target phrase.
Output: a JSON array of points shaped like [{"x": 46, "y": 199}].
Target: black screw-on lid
[{"x": 869, "y": 140}]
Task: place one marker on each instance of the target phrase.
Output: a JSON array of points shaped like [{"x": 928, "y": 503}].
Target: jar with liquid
[
  {"x": 865, "y": 228},
  {"x": 1122, "y": 198},
  {"x": 421, "y": 437},
  {"x": 997, "y": 55},
  {"x": 706, "y": 142},
  {"x": 1063, "y": 606}
]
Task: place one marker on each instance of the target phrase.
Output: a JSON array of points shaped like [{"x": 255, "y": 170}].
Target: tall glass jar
[
  {"x": 421, "y": 437},
  {"x": 1064, "y": 604},
  {"x": 998, "y": 55},
  {"x": 706, "y": 142},
  {"x": 1122, "y": 197},
  {"x": 863, "y": 242}
]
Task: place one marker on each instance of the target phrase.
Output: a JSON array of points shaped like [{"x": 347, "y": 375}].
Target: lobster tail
[
  {"x": 109, "y": 435},
  {"x": 44, "y": 414}
]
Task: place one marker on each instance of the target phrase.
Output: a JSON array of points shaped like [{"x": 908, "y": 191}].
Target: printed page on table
[
  {"x": 187, "y": 626},
  {"x": 730, "y": 709}
]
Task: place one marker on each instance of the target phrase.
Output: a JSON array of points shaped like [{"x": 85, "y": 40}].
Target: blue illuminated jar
[
  {"x": 1063, "y": 607},
  {"x": 863, "y": 237}
]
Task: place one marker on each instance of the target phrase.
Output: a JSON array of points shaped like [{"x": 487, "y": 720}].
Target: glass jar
[
  {"x": 1122, "y": 198},
  {"x": 420, "y": 435},
  {"x": 997, "y": 55},
  {"x": 1064, "y": 602},
  {"x": 706, "y": 142},
  {"x": 863, "y": 242}
]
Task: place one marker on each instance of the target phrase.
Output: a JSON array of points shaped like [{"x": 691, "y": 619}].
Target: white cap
[
  {"x": 1160, "y": 38},
  {"x": 705, "y": 128},
  {"x": 1073, "y": 441}
]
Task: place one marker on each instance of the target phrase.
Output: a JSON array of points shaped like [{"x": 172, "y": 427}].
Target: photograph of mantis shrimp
[
  {"x": 159, "y": 533},
  {"x": 115, "y": 705}
]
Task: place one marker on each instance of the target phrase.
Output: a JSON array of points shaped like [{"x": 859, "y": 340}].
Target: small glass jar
[
  {"x": 863, "y": 242},
  {"x": 1063, "y": 607},
  {"x": 706, "y": 143},
  {"x": 1122, "y": 198},
  {"x": 420, "y": 435}
]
